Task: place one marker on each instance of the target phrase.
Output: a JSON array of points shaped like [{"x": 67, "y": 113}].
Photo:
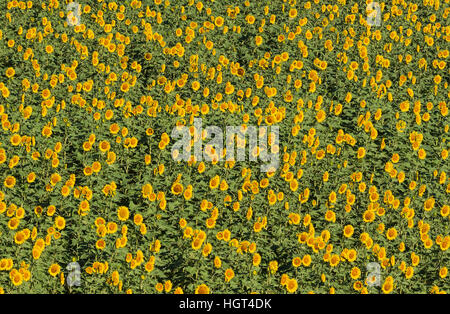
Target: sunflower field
[{"x": 92, "y": 200}]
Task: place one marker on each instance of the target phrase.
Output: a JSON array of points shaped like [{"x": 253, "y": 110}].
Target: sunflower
[
  {"x": 138, "y": 219},
  {"x": 320, "y": 116},
  {"x": 177, "y": 188},
  {"x": 159, "y": 287},
  {"x": 188, "y": 233},
  {"x": 54, "y": 270},
  {"x": 19, "y": 237},
  {"x": 210, "y": 223},
  {"x": 330, "y": 216},
  {"x": 123, "y": 213},
  {"x": 332, "y": 197},
  {"x": 100, "y": 244},
  {"x": 31, "y": 177},
  {"x": 202, "y": 289},
  {"x": 357, "y": 285},
  {"x": 196, "y": 243},
  {"x": 10, "y": 182},
  {"x": 422, "y": 154},
  {"x": 391, "y": 234},
  {"x": 223, "y": 185},
  {"x": 352, "y": 255},
  {"x": 348, "y": 231},
  {"x": 429, "y": 204},
  {"x": 188, "y": 193},
  {"x": 195, "y": 86},
  {"x": 16, "y": 278},
  {"x": 284, "y": 279},
  {"x": 60, "y": 222},
  {"x": 294, "y": 218},
  {"x": 291, "y": 285},
  {"x": 218, "y": 21},
  {"x": 415, "y": 259},
  {"x": 87, "y": 146},
  {"x": 10, "y": 72},
  {"x": 355, "y": 273},
  {"x": 409, "y": 272},
  {"x": 207, "y": 248},
  {"x": 217, "y": 262},
  {"x": 13, "y": 223},
  {"x": 96, "y": 166},
  {"x": 256, "y": 260},
  {"x": 306, "y": 260},
  {"x": 296, "y": 261},
  {"x": 229, "y": 274},
  {"x": 443, "y": 272},
  {"x": 168, "y": 286},
  {"x": 273, "y": 267},
  {"x": 16, "y": 139},
  {"x": 257, "y": 226},
  {"x": 368, "y": 216},
  {"x": 125, "y": 87},
  {"x": 361, "y": 152},
  {"x": 214, "y": 182},
  {"x": 51, "y": 209},
  {"x": 20, "y": 213},
  {"x": 334, "y": 260},
  {"x": 445, "y": 210}
]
